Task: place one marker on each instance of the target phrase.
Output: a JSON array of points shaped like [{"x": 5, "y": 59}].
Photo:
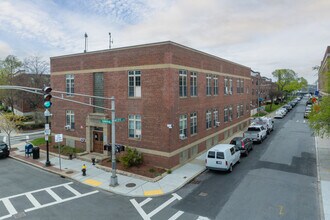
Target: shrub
[
  {"x": 67, "y": 150},
  {"x": 131, "y": 158}
]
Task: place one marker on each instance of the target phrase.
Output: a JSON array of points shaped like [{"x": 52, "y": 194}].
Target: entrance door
[{"x": 98, "y": 141}]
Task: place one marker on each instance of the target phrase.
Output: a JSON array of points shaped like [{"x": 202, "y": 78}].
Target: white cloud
[{"x": 5, "y": 50}]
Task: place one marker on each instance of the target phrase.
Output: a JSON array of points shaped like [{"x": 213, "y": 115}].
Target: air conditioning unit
[
  {"x": 217, "y": 123},
  {"x": 138, "y": 136},
  {"x": 182, "y": 136},
  {"x": 67, "y": 127}
]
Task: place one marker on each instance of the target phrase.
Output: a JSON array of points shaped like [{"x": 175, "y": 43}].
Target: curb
[{"x": 322, "y": 217}]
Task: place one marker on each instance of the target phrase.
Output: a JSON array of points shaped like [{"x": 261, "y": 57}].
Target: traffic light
[{"x": 47, "y": 96}]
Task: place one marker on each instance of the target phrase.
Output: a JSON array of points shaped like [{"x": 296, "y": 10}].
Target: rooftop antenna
[
  {"x": 110, "y": 41},
  {"x": 86, "y": 43}
]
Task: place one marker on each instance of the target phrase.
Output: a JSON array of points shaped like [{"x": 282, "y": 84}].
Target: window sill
[
  {"x": 183, "y": 97},
  {"x": 134, "y": 97},
  {"x": 134, "y": 139}
]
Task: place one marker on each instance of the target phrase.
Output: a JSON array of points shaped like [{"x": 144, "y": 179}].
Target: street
[{"x": 278, "y": 180}]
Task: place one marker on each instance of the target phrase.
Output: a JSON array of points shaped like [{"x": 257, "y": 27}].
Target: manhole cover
[
  {"x": 130, "y": 184},
  {"x": 203, "y": 194}
]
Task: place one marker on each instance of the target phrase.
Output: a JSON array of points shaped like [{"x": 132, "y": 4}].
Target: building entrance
[{"x": 98, "y": 140}]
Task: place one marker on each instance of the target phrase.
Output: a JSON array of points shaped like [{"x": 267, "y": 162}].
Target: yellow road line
[
  {"x": 92, "y": 182},
  {"x": 153, "y": 192}
]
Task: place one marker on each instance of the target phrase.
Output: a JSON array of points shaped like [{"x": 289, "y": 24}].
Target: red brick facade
[{"x": 159, "y": 104}]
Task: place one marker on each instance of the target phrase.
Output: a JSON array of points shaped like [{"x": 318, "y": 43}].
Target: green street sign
[{"x": 108, "y": 121}]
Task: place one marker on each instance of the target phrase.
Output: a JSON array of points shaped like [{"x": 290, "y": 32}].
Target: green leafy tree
[
  {"x": 9, "y": 68},
  {"x": 284, "y": 78},
  {"x": 319, "y": 118}
]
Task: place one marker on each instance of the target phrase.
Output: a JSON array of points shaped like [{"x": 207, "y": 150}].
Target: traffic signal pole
[
  {"x": 113, "y": 179},
  {"x": 47, "y": 105},
  {"x": 47, "y": 114}
]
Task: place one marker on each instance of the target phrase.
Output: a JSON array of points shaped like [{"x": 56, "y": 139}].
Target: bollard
[
  {"x": 83, "y": 170},
  {"x": 93, "y": 161}
]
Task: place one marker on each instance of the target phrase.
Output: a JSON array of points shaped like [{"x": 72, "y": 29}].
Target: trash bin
[{"x": 36, "y": 152}]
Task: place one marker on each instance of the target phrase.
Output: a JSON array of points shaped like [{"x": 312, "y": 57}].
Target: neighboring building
[
  {"x": 324, "y": 73},
  {"x": 177, "y": 101},
  {"x": 255, "y": 88},
  {"x": 267, "y": 89}
]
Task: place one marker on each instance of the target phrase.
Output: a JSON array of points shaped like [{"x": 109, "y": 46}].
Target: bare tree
[{"x": 8, "y": 126}]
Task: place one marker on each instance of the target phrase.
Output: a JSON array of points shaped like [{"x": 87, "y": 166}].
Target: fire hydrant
[{"x": 83, "y": 170}]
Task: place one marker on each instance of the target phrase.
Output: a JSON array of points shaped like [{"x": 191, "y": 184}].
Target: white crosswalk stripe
[{"x": 36, "y": 205}]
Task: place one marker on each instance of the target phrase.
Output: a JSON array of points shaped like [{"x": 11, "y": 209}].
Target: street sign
[
  {"x": 108, "y": 121},
  {"x": 58, "y": 138},
  {"x": 47, "y": 131}
]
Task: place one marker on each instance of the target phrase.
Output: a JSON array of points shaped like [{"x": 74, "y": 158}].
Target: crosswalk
[{"x": 11, "y": 210}]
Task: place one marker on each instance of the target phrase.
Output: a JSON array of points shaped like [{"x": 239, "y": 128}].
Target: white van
[{"x": 222, "y": 157}]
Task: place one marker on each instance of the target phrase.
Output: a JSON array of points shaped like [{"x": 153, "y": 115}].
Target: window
[
  {"x": 208, "y": 84},
  {"x": 226, "y": 91},
  {"x": 238, "y": 111},
  {"x": 230, "y": 113},
  {"x": 232, "y": 151},
  {"x": 238, "y": 86},
  {"x": 134, "y": 83},
  {"x": 216, "y": 85},
  {"x": 193, "y": 84},
  {"x": 134, "y": 126},
  {"x": 220, "y": 155},
  {"x": 230, "y": 86},
  {"x": 225, "y": 113},
  {"x": 215, "y": 117},
  {"x": 242, "y": 110},
  {"x": 183, "y": 126},
  {"x": 247, "y": 107},
  {"x": 193, "y": 123},
  {"x": 69, "y": 84},
  {"x": 69, "y": 119},
  {"x": 242, "y": 85},
  {"x": 183, "y": 83},
  {"x": 208, "y": 119},
  {"x": 98, "y": 90},
  {"x": 211, "y": 154}
]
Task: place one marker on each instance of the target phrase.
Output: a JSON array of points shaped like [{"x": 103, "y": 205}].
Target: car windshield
[
  {"x": 3, "y": 146},
  {"x": 253, "y": 129}
]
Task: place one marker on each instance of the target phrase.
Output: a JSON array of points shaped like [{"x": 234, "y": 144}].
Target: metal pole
[
  {"x": 113, "y": 180},
  {"x": 258, "y": 95},
  {"x": 47, "y": 146}
]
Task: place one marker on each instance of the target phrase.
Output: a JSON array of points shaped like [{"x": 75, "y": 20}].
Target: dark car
[
  {"x": 4, "y": 150},
  {"x": 243, "y": 144}
]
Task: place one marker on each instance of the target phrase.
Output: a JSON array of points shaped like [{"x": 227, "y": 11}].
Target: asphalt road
[{"x": 278, "y": 180}]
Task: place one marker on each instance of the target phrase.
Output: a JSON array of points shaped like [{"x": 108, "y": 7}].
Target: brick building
[
  {"x": 177, "y": 101},
  {"x": 324, "y": 74}
]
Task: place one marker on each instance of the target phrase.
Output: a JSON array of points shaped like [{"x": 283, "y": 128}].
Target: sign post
[{"x": 58, "y": 139}]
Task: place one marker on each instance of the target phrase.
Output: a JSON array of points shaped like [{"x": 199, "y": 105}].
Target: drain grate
[{"x": 130, "y": 185}]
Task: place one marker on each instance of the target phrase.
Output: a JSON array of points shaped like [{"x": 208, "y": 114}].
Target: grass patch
[
  {"x": 40, "y": 141},
  {"x": 274, "y": 107}
]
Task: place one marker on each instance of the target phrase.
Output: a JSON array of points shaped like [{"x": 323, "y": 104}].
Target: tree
[
  {"x": 284, "y": 78},
  {"x": 9, "y": 123},
  {"x": 319, "y": 118},
  {"x": 9, "y": 68}
]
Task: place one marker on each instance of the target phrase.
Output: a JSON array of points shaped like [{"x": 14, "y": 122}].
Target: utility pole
[
  {"x": 114, "y": 179},
  {"x": 86, "y": 43},
  {"x": 110, "y": 41}
]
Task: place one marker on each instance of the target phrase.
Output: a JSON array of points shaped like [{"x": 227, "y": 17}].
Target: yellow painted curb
[
  {"x": 153, "y": 192},
  {"x": 92, "y": 182}
]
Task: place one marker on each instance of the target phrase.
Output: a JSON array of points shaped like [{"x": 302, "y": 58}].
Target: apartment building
[
  {"x": 177, "y": 101},
  {"x": 324, "y": 73}
]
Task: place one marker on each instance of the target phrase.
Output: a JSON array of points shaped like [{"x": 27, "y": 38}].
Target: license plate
[{"x": 219, "y": 162}]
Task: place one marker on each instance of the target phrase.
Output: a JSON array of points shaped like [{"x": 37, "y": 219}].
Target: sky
[{"x": 264, "y": 35}]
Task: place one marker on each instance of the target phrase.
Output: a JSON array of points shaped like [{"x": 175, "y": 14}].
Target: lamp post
[{"x": 113, "y": 179}]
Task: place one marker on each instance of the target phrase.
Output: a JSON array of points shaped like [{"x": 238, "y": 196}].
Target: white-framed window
[
  {"x": 208, "y": 119},
  {"x": 134, "y": 83},
  {"x": 225, "y": 114},
  {"x": 230, "y": 113},
  {"x": 193, "y": 123},
  {"x": 183, "y": 83},
  {"x": 242, "y": 110},
  {"x": 230, "y": 86},
  {"x": 238, "y": 84},
  {"x": 238, "y": 111},
  {"x": 193, "y": 84},
  {"x": 216, "y": 85},
  {"x": 226, "y": 88},
  {"x": 215, "y": 117},
  {"x": 69, "y": 115},
  {"x": 69, "y": 78},
  {"x": 208, "y": 84},
  {"x": 134, "y": 126},
  {"x": 183, "y": 126}
]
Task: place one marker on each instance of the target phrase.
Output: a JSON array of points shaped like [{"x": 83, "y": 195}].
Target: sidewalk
[
  {"x": 323, "y": 170},
  {"x": 127, "y": 185}
]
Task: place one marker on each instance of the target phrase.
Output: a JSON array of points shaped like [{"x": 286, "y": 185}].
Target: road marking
[
  {"x": 92, "y": 182},
  {"x": 202, "y": 218},
  {"x": 12, "y": 211},
  {"x": 146, "y": 216},
  {"x": 176, "y": 215},
  {"x": 153, "y": 192},
  {"x": 281, "y": 212}
]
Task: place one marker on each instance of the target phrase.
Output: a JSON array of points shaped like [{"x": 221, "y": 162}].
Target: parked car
[
  {"x": 284, "y": 110},
  {"x": 243, "y": 144},
  {"x": 4, "y": 150},
  {"x": 307, "y": 112},
  {"x": 279, "y": 114},
  {"x": 288, "y": 107},
  {"x": 222, "y": 157},
  {"x": 257, "y": 133},
  {"x": 268, "y": 123}
]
